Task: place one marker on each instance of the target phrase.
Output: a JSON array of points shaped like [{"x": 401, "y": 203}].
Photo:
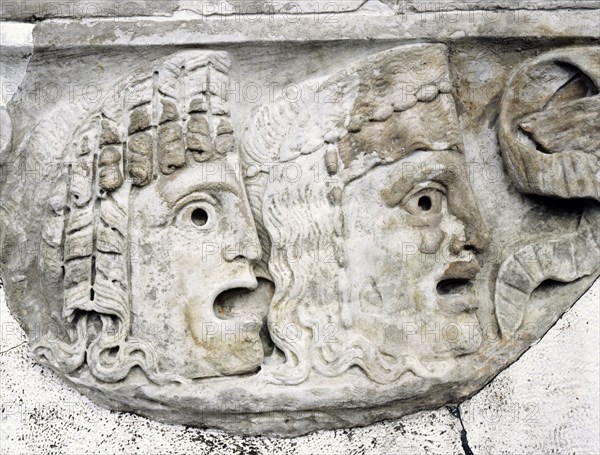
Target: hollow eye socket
[
  {"x": 426, "y": 201},
  {"x": 199, "y": 217}
]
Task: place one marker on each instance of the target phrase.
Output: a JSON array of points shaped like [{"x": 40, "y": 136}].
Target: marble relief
[{"x": 329, "y": 261}]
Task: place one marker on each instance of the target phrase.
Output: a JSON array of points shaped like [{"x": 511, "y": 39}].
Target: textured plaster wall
[{"x": 547, "y": 402}]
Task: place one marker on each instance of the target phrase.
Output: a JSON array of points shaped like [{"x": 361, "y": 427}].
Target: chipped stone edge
[{"x": 525, "y": 24}]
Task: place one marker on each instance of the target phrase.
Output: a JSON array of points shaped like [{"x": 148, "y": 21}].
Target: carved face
[
  {"x": 194, "y": 239},
  {"x": 411, "y": 231}
]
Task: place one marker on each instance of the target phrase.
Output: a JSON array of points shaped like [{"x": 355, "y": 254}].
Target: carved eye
[
  {"x": 425, "y": 201},
  {"x": 197, "y": 215},
  {"x": 200, "y": 217}
]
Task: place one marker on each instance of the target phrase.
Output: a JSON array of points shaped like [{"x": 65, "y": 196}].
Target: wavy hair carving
[{"x": 177, "y": 109}]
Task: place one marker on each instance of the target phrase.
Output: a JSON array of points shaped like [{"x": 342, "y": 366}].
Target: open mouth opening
[
  {"x": 454, "y": 286},
  {"x": 249, "y": 306},
  {"x": 227, "y": 306}
]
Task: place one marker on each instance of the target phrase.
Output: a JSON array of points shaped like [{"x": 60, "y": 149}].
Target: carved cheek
[
  {"x": 430, "y": 232},
  {"x": 431, "y": 240}
]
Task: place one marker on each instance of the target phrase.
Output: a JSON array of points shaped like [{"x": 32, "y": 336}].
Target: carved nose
[
  {"x": 248, "y": 248},
  {"x": 473, "y": 234},
  {"x": 456, "y": 245},
  {"x": 476, "y": 241},
  {"x": 463, "y": 205},
  {"x": 478, "y": 237}
]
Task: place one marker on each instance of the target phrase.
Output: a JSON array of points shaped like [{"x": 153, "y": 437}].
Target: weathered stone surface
[
  {"x": 33, "y": 10},
  {"x": 429, "y": 26},
  {"x": 402, "y": 6},
  {"x": 281, "y": 237},
  {"x": 36, "y": 10}
]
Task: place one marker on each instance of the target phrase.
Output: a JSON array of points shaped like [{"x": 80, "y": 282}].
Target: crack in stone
[
  {"x": 455, "y": 411},
  {"x": 14, "y": 347}
]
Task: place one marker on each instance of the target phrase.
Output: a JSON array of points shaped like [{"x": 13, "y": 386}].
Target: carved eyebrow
[
  {"x": 193, "y": 197},
  {"x": 402, "y": 184},
  {"x": 173, "y": 194}
]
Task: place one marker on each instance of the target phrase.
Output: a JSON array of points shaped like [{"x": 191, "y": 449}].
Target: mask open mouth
[
  {"x": 229, "y": 304},
  {"x": 458, "y": 278},
  {"x": 248, "y": 306},
  {"x": 454, "y": 286}
]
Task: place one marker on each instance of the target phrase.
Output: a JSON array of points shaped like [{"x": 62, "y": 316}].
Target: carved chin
[
  {"x": 461, "y": 336},
  {"x": 236, "y": 357}
]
